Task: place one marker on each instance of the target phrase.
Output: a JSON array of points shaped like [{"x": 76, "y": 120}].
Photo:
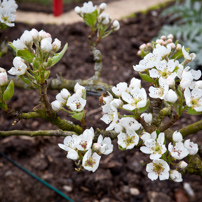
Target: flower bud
[
  {"x": 46, "y": 45},
  {"x": 170, "y": 36},
  {"x": 56, "y": 44},
  {"x": 56, "y": 105},
  {"x": 61, "y": 99},
  {"x": 163, "y": 37},
  {"x": 147, "y": 117},
  {"x": 116, "y": 25},
  {"x": 172, "y": 45},
  {"x": 96, "y": 146},
  {"x": 35, "y": 34},
  {"x": 143, "y": 46},
  {"x": 171, "y": 96},
  {"x": 3, "y": 77},
  {"x": 198, "y": 84},
  {"x": 179, "y": 47},
  {"x": 65, "y": 93},
  {"x": 177, "y": 137},
  {"x": 77, "y": 10},
  {"x": 182, "y": 164},
  {"x": 103, "y": 6},
  {"x": 139, "y": 52},
  {"x": 26, "y": 38}
]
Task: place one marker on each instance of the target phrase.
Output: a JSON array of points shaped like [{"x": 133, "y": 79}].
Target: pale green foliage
[{"x": 187, "y": 28}]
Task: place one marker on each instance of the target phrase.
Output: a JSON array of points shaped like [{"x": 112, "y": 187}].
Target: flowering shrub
[{"x": 174, "y": 89}]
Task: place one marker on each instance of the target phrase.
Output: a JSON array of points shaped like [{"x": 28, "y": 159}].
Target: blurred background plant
[{"x": 185, "y": 23}]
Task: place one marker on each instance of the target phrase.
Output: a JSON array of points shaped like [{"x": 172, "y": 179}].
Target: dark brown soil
[{"x": 121, "y": 176}]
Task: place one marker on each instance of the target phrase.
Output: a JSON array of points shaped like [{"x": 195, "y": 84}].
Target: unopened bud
[
  {"x": 116, "y": 25},
  {"x": 46, "y": 45},
  {"x": 77, "y": 10},
  {"x": 3, "y": 77},
  {"x": 170, "y": 36},
  {"x": 143, "y": 46},
  {"x": 179, "y": 47},
  {"x": 182, "y": 164},
  {"x": 103, "y": 6},
  {"x": 163, "y": 37}
]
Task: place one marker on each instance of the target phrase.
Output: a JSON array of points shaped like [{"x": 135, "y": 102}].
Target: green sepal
[
  {"x": 90, "y": 18},
  {"x": 3, "y": 26},
  {"x": 12, "y": 46},
  {"x": 193, "y": 112},
  {"x": 8, "y": 93},
  {"x": 36, "y": 64},
  {"x": 25, "y": 55},
  {"x": 46, "y": 74},
  {"x": 121, "y": 148},
  {"x": 143, "y": 109},
  {"x": 78, "y": 116},
  {"x": 56, "y": 58},
  {"x": 157, "y": 132},
  {"x": 24, "y": 79},
  {"x": 146, "y": 77}
]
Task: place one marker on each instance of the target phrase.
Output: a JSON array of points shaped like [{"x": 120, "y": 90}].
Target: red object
[{"x": 57, "y": 7}]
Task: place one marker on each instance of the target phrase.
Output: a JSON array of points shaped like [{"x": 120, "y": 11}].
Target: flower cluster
[
  {"x": 82, "y": 147},
  {"x": 76, "y": 102},
  {"x": 97, "y": 20},
  {"x": 35, "y": 55},
  {"x": 7, "y": 10}
]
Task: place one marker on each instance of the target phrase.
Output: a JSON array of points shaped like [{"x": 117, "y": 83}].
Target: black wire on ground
[{"x": 36, "y": 177}]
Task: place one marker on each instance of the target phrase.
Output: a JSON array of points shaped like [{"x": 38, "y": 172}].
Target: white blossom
[
  {"x": 85, "y": 140},
  {"x": 3, "y": 77},
  {"x": 19, "y": 45},
  {"x": 188, "y": 56},
  {"x": 176, "y": 176},
  {"x": 191, "y": 147},
  {"x": 120, "y": 88},
  {"x": 19, "y": 67},
  {"x": 35, "y": 34},
  {"x": 77, "y": 10},
  {"x": 137, "y": 99},
  {"x": 128, "y": 140},
  {"x": 159, "y": 92},
  {"x": 105, "y": 145},
  {"x": 104, "y": 18},
  {"x": 91, "y": 161},
  {"x": 130, "y": 124},
  {"x": 70, "y": 143},
  {"x": 158, "y": 168},
  {"x": 61, "y": 99},
  {"x": 88, "y": 8},
  {"x": 134, "y": 83},
  {"x": 194, "y": 98},
  {"x": 76, "y": 103},
  {"x": 178, "y": 151},
  {"x": 155, "y": 147},
  {"x": 79, "y": 90}
]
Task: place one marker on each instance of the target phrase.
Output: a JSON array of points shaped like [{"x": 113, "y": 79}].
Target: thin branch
[
  {"x": 37, "y": 133},
  {"x": 59, "y": 83}
]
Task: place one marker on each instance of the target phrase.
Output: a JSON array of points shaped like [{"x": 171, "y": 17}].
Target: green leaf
[
  {"x": 25, "y": 55},
  {"x": 78, "y": 116},
  {"x": 141, "y": 110},
  {"x": 91, "y": 18},
  {"x": 56, "y": 58},
  {"x": 146, "y": 77},
  {"x": 8, "y": 93},
  {"x": 25, "y": 80},
  {"x": 193, "y": 112}
]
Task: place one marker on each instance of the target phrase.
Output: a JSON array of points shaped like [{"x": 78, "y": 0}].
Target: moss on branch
[{"x": 36, "y": 133}]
